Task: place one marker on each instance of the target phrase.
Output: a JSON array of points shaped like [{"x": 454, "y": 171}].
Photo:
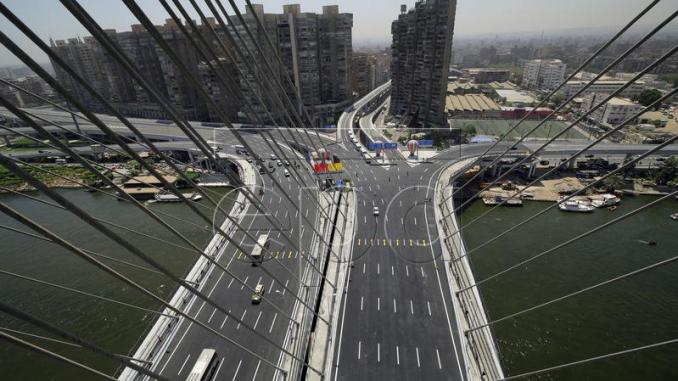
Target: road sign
[
  {"x": 375, "y": 146},
  {"x": 426, "y": 143},
  {"x": 390, "y": 145}
]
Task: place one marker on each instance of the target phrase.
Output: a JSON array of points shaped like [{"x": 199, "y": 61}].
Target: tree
[
  {"x": 649, "y": 96},
  {"x": 468, "y": 130},
  {"x": 615, "y": 182},
  {"x": 667, "y": 172}
]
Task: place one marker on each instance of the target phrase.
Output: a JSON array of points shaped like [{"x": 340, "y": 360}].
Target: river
[
  {"x": 111, "y": 326},
  {"x": 631, "y": 313}
]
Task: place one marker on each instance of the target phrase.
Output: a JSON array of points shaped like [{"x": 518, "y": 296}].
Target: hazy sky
[{"x": 372, "y": 18}]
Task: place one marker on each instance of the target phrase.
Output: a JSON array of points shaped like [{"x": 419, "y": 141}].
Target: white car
[
  {"x": 273, "y": 157},
  {"x": 287, "y": 173},
  {"x": 375, "y": 210},
  {"x": 280, "y": 163}
]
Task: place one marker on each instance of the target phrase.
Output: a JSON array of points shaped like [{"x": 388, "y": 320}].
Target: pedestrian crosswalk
[{"x": 391, "y": 242}]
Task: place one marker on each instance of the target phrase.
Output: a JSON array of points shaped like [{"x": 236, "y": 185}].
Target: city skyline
[{"x": 372, "y": 20}]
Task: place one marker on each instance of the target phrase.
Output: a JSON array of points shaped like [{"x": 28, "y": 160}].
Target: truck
[{"x": 258, "y": 251}]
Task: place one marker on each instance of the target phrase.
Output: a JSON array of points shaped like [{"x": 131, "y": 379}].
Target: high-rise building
[
  {"x": 543, "y": 74},
  {"x": 422, "y": 45},
  {"x": 316, "y": 53},
  {"x": 369, "y": 70}
]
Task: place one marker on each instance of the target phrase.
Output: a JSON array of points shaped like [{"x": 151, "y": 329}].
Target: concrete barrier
[{"x": 481, "y": 354}]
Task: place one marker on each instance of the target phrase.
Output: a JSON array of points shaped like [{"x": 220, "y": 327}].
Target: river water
[
  {"x": 112, "y": 326},
  {"x": 631, "y": 313}
]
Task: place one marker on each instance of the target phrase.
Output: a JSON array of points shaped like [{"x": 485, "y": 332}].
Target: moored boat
[
  {"x": 606, "y": 201},
  {"x": 575, "y": 206}
]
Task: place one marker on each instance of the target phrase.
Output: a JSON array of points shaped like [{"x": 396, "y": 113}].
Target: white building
[
  {"x": 604, "y": 87},
  {"x": 613, "y": 112},
  {"x": 543, "y": 74}
]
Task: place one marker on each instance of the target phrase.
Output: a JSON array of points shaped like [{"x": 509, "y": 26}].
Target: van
[{"x": 258, "y": 294}]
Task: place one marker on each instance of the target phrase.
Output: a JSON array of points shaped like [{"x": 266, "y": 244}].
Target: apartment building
[
  {"x": 613, "y": 112},
  {"x": 543, "y": 75},
  {"x": 422, "y": 44},
  {"x": 315, "y": 50}
]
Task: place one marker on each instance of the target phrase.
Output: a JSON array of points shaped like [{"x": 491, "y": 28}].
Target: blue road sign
[
  {"x": 390, "y": 145},
  {"x": 426, "y": 143},
  {"x": 375, "y": 146}
]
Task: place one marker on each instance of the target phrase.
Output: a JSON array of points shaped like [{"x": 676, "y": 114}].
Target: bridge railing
[{"x": 483, "y": 362}]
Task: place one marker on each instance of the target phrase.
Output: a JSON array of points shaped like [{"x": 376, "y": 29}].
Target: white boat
[
  {"x": 575, "y": 206},
  {"x": 606, "y": 201},
  {"x": 674, "y": 216},
  {"x": 166, "y": 197},
  {"x": 169, "y": 197}
]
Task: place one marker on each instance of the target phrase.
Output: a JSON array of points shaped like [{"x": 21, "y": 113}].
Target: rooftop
[
  {"x": 515, "y": 96},
  {"x": 470, "y": 102}
]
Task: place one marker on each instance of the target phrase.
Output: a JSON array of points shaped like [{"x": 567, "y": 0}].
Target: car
[
  {"x": 280, "y": 163},
  {"x": 287, "y": 163},
  {"x": 259, "y": 292},
  {"x": 375, "y": 210},
  {"x": 270, "y": 165},
  {"x": 249, "y": 160},
  {"x": 287, "y": 173},
  {"x": 273, "y": 157}
]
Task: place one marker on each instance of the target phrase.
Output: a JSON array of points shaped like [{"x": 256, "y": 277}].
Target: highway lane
[
  {"x": 398, "y": 320},
  {"x": 189, "y": 340}
]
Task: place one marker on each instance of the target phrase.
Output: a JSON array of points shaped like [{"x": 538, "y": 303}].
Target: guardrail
[
  {"x": 470, "y": 311},
  {"x": 158, "y": 336}
]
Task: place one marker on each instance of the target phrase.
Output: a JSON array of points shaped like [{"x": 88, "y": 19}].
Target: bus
[
  {"x": 205, "y": 366},
  {"x": 257, "y": 252}
]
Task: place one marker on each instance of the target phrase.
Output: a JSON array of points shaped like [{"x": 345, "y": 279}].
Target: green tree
[
  {"x": 615, "y": 182},
  {"x": 468, "y": 130},
  {"x": 667, "y": 171},
  {"x": 649, "y": 96}
]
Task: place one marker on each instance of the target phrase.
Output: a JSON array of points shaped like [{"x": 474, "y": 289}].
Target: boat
[
  {"x": 606, "y": 201},
  {"x": 575, "y": 206},
  {"x": 168, "y": 197},
  {"x": 505, "y": 201},
  {"x": 490, "y": 201},
  {"x": 674, "y": 216}
]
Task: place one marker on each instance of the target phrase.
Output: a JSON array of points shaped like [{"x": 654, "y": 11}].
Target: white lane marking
[
  {"x": 257, "y": 322},
  {"x": 254, "y": 377},
  {"x": 382, "y": 202},
  {"x": 365, "y": 219},
  {"x": 364, "y": 266},
  {"x": 372, "y": 203},
  {"x": 411, "y": 307},
  {"x": 244, "y": 283},
  {"x": 237, "y": 369},
  {"x": 212, "y": 315},
  {"x": 440, "y": 365},
  {"x": 270, "y": 288},
  {"x": 394, "y": 306},
  {"x": 378, "y": 269},
  {"x": 364, "y": 204},
  {"x": 184, "y": 364},
  {"x": 360, "y": 344},
  {"x": 418, "y": 362},
  {"x": 241, "y": 319},
  {"x": 285, "y": 289},
  {"x": 407, "y": 271},
  {"x": 361, "y": 303},
  {"x": 224, "y": 322},
  {"x": 428, "y": 304},
  {"x": 415, "y": 220},
  {"x": 378, "y": 304},
  {"x": 401, "y": 203},
  {"x": 273, "y": 323},
  {"x": 286, "y": 213},
  {"x": 397, "y": 355},
  {"x": 392, "y": 271},
  {"x": 378, "y": 352},
  {"x": 402, "y": 221},
  {"x": 422, "y": 272},
  {"x": 230, "y": 283},
  {"x": 218, "y": 369}
]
